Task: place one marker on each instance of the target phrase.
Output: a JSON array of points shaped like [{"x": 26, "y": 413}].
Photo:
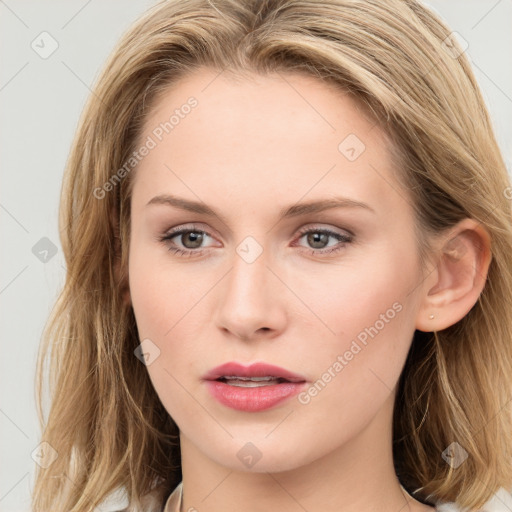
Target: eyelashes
[
  {"x": 312, "y": 235},
  {"x": 325, "y": 234},
  {"x": 199, "y": 236}
]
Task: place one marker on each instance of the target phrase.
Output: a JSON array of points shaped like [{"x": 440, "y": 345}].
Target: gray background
[{"x": 41, "y": 101}]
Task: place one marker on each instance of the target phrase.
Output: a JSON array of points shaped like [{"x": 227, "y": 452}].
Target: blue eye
[{"x": 194, "y": 238}]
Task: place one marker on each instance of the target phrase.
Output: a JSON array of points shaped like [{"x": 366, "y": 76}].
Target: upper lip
[{"x": 253, "y": 370}]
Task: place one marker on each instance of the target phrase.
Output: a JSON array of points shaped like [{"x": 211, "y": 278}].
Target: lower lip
[{"x": 253, "y": 399}]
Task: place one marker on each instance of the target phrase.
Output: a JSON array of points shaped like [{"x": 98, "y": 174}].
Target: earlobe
[{"x": 462, "y": 264}]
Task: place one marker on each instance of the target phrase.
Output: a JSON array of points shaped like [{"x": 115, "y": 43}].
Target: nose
[{"x": 251, "y": 300}]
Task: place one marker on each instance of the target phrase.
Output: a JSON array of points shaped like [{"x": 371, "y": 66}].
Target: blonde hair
[{"x": 106, "y": 422}]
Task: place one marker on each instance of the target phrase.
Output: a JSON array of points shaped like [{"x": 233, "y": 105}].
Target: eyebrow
[{"x": 294, "y": 210}]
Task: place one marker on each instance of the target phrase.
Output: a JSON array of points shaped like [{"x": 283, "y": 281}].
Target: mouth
[
  {"x": 252, "y": 388},
  {"x": 254, "y": 382}
]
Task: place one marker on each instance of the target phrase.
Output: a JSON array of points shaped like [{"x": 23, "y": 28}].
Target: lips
[
  {"x": 253, "y": 388},
  {"x": 236, "y": 371}
]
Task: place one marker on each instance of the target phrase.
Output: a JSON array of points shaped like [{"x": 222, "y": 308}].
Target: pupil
[
  {"x": 314, "y": 238},
  {"x": 196, "y": 239}
]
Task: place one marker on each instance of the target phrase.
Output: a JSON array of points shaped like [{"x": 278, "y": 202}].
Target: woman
[{"x": 287, "y": 237}]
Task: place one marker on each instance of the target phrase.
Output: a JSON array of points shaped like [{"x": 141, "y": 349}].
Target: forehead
[
  {"x": 243, "y": 100},
  {"x": 255, "y": 134}
]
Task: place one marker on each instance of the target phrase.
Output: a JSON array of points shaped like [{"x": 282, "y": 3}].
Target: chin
[{"x": 259, "y": 455}]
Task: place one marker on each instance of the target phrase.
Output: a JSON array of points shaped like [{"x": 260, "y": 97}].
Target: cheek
[
  {"x": 164, "y": 315},
  {"x": 151, "y": 299},
  {"x": 169, "y": 304},
  {"x": 361, "y": 296},
  {"x": 370, "y": 315},
  {"x": 161, "y": 293}
]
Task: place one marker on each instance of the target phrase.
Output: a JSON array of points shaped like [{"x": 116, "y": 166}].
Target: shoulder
[
  {"x": 119, "y": 502},
  {"x": 501, "y": 501}
]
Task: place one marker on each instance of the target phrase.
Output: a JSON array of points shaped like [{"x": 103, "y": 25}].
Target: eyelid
[
  {"x": 329, "y": 229},
  {"x": 193, "y": 227}
]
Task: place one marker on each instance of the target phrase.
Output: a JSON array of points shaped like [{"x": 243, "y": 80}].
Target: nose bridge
[
  {"x": 249, "y": 298},
  {"x": 248, "y": 279}
]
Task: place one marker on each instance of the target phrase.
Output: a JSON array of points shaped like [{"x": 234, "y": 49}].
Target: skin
[{"x": 250, "y": 148}]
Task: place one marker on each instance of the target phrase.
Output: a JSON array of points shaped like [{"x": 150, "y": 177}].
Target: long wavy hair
[{"x": 401, "y": 63}]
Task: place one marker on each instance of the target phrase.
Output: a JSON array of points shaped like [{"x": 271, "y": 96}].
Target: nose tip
[{"x": 247, "y": 301}]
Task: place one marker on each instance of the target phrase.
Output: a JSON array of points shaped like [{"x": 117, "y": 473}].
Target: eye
[
  {"x": 318, "y": 239},
  {"x": 189, "y": 240}
]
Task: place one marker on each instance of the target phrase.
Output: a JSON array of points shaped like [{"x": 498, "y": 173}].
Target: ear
[
  {"x": 119, "y": 272},
  {"x": 462, "y": 262}
]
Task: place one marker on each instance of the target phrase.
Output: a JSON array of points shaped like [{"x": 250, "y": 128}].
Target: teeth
[
  {"x": 256, "y": 379},
  {"x": 251, "y": 382}
]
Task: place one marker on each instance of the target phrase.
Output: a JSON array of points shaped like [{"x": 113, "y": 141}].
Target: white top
[{"x": 500, "y": 502}]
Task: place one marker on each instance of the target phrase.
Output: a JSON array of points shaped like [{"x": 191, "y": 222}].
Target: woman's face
[{"x": 298, "y": 250}]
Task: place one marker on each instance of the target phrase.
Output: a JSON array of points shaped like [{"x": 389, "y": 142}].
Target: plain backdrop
[{"x": 41, "y": 99}]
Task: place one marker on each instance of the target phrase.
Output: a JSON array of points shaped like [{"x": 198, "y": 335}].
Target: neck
[{"x": 357, "y": 476}]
